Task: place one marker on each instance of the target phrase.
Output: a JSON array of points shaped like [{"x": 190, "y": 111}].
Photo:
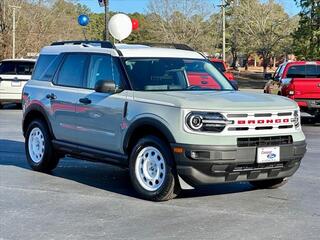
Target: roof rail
[
  {"x": 102, "y": 44},
  {"x": 180, "y": 46}
]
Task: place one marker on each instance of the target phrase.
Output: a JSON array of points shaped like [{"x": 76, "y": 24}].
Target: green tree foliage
[
  {"x": 39, "y": 23},
  {"x": 307, "y": 36},
  {"x": 261, "y": 27}
]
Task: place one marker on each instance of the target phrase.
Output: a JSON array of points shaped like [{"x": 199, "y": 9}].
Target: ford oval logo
[{"x": 271, "y": 155}]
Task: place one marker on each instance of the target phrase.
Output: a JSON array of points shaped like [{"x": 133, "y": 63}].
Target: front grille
[
  {"x": 259, "y": 121},
  {"x": 264, "y": 141}
]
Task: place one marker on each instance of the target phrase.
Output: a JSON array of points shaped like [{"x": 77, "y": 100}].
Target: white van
[{"x": 14, "y": 73}]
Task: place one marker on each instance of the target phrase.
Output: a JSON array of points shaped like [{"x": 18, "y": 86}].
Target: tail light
[
  {"x": 291, "y": 89},
  {"x": 288, "y": 87}
]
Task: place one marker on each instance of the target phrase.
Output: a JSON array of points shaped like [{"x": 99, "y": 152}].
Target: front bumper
[
  {"x": 219, "y": 164},
  {"x": 10, "y": 97}
]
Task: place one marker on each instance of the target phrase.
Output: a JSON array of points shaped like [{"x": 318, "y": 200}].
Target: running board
[{"x": 89, "y": 153}]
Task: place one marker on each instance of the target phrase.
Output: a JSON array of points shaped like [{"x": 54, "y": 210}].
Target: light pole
[
  {"x": 14, "y": 30},
  {"x": 106, "y": 19},
  {"x": 223, "y": 6}
]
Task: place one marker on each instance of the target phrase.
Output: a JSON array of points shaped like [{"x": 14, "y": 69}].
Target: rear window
[
  {"x": 219, "y": 66},
  {"x": 16, "y": 67},
  {"x": 24, "y": 68},
  {"x": 7, "y": 68},
  {"x": 304, "y": 71},
  {"x": 45, "y": 67}
]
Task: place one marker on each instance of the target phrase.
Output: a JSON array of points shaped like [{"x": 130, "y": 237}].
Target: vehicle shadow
[
  {"x": 103, "y": 176},
  {"x": 309, "y": 121}
]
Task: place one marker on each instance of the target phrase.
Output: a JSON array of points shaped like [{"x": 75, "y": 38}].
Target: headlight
[
  {"x": 206, "y": 121},
  {"x": 296, "y": 118}
]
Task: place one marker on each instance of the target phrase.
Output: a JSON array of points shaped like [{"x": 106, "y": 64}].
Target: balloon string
[{"x": 84, "y": 33}]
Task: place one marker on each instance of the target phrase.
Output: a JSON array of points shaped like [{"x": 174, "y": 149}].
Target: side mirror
[
  {"x": 234, "y": 83},
  {"x": 106, "y": 86}
]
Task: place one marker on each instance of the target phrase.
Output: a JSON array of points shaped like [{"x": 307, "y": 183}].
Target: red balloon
[{"x": 135, "y": 24}]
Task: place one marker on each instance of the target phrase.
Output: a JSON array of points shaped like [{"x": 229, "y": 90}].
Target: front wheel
[
  {"x": 38, "y": 147},
  {"x": 152, "y": 170},
  {"x": 271, "y": 183}
]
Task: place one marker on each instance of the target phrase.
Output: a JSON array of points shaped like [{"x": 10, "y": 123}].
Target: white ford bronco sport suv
[{"x": 166, "y": 114}]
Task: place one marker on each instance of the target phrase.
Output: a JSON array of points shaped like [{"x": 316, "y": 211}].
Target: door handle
[
  {"x": 85, "y": 100},
  {"x": 51, "y": 96}
]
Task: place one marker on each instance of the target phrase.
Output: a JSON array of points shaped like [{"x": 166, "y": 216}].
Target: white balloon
[{"x": 120, "y": 26}]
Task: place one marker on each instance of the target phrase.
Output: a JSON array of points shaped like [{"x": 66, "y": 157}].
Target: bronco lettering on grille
[{"x": 263, "y": 121}]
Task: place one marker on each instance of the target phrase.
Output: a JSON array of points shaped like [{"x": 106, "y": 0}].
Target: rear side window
[
  {"x": 42, "y": 65},
  {"x": 8, "y": 68},
  {"x": 304, "y": 71},
  {"x": 24, "y": 68},
  {"x": 71, "y": 73}
]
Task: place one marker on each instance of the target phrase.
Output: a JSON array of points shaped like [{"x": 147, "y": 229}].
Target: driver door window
[{"x": 102, "y": 68}]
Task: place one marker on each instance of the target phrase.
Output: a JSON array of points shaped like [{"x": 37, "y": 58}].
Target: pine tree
[{"x": 307, "y": 36}]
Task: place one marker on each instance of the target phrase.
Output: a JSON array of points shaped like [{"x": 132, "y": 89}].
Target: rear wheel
[
  {"x": 38, "y": 147},
  {"x": 152, "y": 170},
  {"x": 1, "y": 106},
  {"x": 271, "y": 183}
]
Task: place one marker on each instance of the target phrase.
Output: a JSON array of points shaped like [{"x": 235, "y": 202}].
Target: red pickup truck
[{"x": 300, "y": 81}]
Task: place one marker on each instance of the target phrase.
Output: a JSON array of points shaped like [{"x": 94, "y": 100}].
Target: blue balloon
[{"x": 83, "y": 20}]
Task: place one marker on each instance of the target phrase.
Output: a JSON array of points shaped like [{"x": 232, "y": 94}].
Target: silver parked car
[{"x": 166, "y": 114}]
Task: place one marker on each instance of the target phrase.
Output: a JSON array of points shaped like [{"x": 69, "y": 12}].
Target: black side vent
[
  {"x": 237, "y": 115},
  {"x": 284, "y": 114}
]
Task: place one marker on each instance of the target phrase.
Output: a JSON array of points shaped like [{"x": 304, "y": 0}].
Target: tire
[
  {"x": 19, "y": 105},
  {"x": 38, "y": 147},
  {"x": 271, "y": 183},
  {"x": 1, "y": 106},
  {"x": 152, "y": 170}
]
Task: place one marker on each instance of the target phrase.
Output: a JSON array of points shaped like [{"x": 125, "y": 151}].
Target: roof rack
[
  {"x": 102, "y": 44},
  {"x": 180, "y": 46}
]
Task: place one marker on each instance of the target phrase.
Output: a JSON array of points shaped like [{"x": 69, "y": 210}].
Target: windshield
[
  {"x": 174, "y": 74},
  {"x": 219, "y": 65}
]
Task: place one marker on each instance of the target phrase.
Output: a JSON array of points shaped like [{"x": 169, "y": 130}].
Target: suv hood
[{"x": 215, "y": 100}]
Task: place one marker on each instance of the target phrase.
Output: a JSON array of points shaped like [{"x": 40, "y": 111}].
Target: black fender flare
[
  {"x": 36, "y": 108},
  {"x": 149, "y": 122}
]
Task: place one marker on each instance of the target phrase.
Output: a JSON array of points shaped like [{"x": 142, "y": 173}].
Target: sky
[{"x": 130, "y": 6}]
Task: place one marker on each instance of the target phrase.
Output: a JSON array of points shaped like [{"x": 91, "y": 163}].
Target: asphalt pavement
[{"x": 84, "y": 200}]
